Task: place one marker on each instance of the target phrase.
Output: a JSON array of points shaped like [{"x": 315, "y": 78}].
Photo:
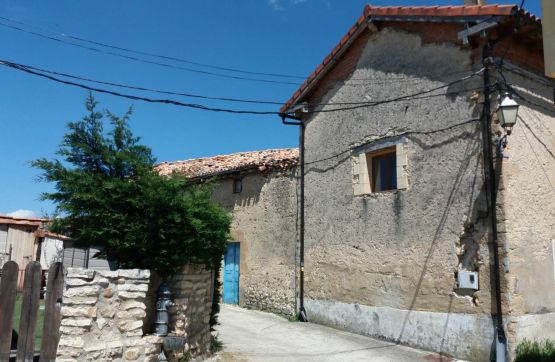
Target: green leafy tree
[{"x": 108, "y": 194}]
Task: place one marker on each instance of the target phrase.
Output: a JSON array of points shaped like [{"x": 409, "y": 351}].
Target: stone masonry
[
  {"x": 105, "y": 315},
  {"x": 190, "y": 316},
  {"x": 102, "y": 317}
]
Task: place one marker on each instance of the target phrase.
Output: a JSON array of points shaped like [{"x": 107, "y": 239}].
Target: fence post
[
  {"x": 8, "y": 287},
  {"x": 29, "y": 312},
  {"x": 52, "y": 313}
]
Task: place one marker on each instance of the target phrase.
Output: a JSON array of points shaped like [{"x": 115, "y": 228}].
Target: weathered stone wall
[
  {"x": 384, "y": 264},
  {"x": 102, "y": 317},
  {"x": 526, "y": 207},
  {"x": 264, "y": 222},
  {"x": 192, "y": 290},
  {"x": 106, "y": 315}
]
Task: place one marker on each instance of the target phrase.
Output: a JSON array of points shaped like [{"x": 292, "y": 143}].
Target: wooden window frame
[
  {"x": 362, "y": 166},
  {"x": 237, "y": 181},
  {"x": 391, "y": 171}
]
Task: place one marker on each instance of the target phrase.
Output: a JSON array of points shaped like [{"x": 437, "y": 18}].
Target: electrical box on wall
[{"x": 467, "y": 279}]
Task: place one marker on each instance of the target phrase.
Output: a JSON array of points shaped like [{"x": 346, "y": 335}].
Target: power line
[
  {"x": 406, "y": 96},
  {"x": 99, "y": 50},
  {"x": 120, "y": 85},
  {"x": 413, "y": 96},
  {"x": 386, "y": 135},
  {"x": 134, "y": 97},
  {"x": 239, "y": 100},
  {"x": 139, "y": 52},
  {"x": 133, "y": 58}
]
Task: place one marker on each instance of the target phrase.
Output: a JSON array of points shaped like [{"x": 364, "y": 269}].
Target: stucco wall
[
  {"x": 264, "y": 222},
  {"x": 401, "y": 249}
]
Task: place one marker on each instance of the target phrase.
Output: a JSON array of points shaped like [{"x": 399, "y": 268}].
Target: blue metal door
[{"x": 231, "y": 274}]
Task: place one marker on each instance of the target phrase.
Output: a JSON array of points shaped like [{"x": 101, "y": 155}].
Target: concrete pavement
[{"x": 252, "y": 336}]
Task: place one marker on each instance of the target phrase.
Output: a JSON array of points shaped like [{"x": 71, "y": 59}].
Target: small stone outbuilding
[{"x": 259, "y": 188}]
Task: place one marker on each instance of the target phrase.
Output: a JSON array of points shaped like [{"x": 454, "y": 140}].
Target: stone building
[
  {"x": 260, "y": 191},
  {"x": 398, "y": 240}
]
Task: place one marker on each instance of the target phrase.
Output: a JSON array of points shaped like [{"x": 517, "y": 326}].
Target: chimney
[{"x": 475, "y": 2}]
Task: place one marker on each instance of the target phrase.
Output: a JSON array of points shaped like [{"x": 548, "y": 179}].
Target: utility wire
[
  {"x": 251, "y": 101},
  {"x": 403, "y": 97},
  {"x": 181, "y": 60},
  {"x": 128, "y": 86},
  {"x": 387, "y": 135},
  {"x": 215, "y": 109},
  {"x": 190, "y": 95},
  {"x": 134, "y": 97},
  {"x": 136, "y": 59},
  {"x": 99, "y": 50}
]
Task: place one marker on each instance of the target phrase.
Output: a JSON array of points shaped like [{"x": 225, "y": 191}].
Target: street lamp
[{"x": 507, "y": 112}]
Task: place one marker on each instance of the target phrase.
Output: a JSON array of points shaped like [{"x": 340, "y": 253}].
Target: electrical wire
[
  {"x": 190, "y": 95},
  {"x": 127, "y": 86},
  {"x": 138, "y": 52},
  {"x": 216, "y": 109},
  {"x": 386, "y": 135},
  {"x": 404, "y": 97},
  {"x": 535, "y": 78},
  {"x": 120, "y": 85},
  {"x": 133, "y": 58}
]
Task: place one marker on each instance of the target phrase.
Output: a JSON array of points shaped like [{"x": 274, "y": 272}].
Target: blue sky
[{"x": 277, "y": 36}]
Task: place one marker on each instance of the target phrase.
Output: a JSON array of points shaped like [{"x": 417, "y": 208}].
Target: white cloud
[
  {"x": 22, "y": 213},
  {"x": 275, "y": 4}
]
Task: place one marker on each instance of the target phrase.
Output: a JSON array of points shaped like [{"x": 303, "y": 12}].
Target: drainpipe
[
  {"x": 302, "y": 312},
  {"x": 491, "y": 191}
]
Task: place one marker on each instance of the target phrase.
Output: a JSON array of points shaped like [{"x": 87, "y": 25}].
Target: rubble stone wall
[
  {"x": 190, "y": 316},
  {"x": 105, "y": 315},
  {"x": 102, "y": 317}
]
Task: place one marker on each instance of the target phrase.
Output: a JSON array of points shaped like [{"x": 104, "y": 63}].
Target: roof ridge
[
  {"x": 400, "y": 12},
  {"x": 227, "y": 155}
]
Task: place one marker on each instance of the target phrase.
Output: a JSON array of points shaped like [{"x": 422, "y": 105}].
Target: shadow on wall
[
  {"x": 384, "y": 59},
  {"x": 476, "y": 214},
  {"x": 250, "y": 194}
]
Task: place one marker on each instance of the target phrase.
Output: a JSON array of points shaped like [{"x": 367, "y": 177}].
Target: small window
[
  {"x": 237, "y": 186},
  {"x": 380, "y": 169},
  {"x": 383, "y": 169}
]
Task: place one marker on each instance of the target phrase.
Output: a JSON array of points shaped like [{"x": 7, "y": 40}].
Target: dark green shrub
[
  {"x": 107, "y": 194},
  {"x": 535, "y": 351}
]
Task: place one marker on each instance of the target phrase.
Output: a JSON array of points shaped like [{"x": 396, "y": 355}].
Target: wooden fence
[{"x": 30, "y": 300}]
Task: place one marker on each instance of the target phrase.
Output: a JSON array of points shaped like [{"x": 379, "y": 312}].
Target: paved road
[{"x": 252, "y": 336}]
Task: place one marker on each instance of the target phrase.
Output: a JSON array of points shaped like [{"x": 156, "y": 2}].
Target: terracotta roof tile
[
  {"x": 407, "y": 11},
  {"x": 276, "y": 159}
]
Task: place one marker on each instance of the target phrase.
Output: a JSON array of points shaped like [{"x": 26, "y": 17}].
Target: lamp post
[{"x": 507, "y": 112}]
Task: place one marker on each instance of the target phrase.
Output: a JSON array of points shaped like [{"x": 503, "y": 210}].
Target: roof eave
[
  {"x": 474, "y": 14},
  {"x": 311, "y": 82}
]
